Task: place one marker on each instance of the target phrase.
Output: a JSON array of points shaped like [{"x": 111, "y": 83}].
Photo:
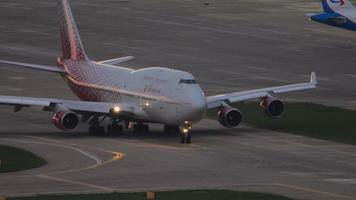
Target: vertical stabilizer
[
  {"x": 72, "y": 47},
  {"x": 331, "y": 6}
]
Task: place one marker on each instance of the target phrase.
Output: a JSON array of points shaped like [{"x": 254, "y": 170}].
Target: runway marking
[
  {"x": 294, "y": 187},
  {"x": 304, "y": 145},
  {"x": 77, "y": 183},
  {"x": 291, "y": 142},
  {"x": 272, "y": 149},
  {"x": 314, "y": 191},
  {"x": 342, "y": 180},
  {"x": 98, "y": 162},
  {"x": 200, "y": 147},
  {"x": 351, "y": 75},
  {"x": 142, "y": 143},
  {"x": 259, "y": 68},
  {"x": 195, "y": 26},
  {"x": 115, "y": 155}
]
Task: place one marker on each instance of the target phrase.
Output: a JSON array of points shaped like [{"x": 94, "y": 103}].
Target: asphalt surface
[
  {"x": 244, "y": 159},
  {"x": 228, "y": 45}
]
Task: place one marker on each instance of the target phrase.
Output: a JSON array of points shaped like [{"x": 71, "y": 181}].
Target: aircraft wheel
[
  {"x": 182, "y": 140},
  {"x": 141, "y": 128},
  {"x": 115, "y": 129},
  {"x": 171, "y": 130},
  {"x": 96, "y": 130},
  {"x": 188, "y": 138},
  {"x": 145, "y": 128},
  {"x": 109, "y": 129}
]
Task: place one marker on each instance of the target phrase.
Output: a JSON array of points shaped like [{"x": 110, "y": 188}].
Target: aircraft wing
[
  {"x": 216, "y": 101},
  {"x": 86, "y": 107}
]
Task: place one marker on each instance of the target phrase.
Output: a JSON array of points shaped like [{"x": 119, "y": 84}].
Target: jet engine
[
  {"x": 229, "y": 117},
  {"x": 66, "y": 120},
  {"x": 273, "y": 107}
]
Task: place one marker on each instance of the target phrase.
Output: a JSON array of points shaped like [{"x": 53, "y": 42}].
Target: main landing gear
[
  {"x": 141, "y": 128},
  {"x": 115, "y": 128},
  {"x": 96, "y": 130},
  {"x": 138, "y": 127},
  {"x": 95, "y": 127},
  {"x": 171, "y": 130}
]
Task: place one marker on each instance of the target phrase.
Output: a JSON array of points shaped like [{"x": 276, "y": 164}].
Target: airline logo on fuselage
[
  {"x": 340, "y": 2},
  {"x": 152, "y": 90}
]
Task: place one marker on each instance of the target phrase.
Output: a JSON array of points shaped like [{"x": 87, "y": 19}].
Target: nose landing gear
[{"x": 186, "y": 133}]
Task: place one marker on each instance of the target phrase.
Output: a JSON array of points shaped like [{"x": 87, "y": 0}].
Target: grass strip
[
  {"x": 173, "y": 195},
  {"x": 16, "y": 159},
  {"x": 307, "y": 119}
]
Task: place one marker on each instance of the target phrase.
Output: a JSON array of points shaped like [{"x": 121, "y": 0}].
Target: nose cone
[{"x": 198, "y": 107}]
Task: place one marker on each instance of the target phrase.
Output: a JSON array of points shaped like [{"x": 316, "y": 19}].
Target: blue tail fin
[
  {"x": 326, "y": 6},
  {"x": 336, "y": 6}
]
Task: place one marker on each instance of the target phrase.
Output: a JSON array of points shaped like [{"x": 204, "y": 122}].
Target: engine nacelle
[
  {"x": 273, "y": 107},
  {"x": 66, "y": 120},
  {"x": 229, "y": 117}
]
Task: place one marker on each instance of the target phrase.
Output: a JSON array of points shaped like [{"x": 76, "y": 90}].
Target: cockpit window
[{"x": 188, "y": 81}]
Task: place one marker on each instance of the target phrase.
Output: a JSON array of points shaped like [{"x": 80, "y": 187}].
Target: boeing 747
[{"x": 135, "y": 98}]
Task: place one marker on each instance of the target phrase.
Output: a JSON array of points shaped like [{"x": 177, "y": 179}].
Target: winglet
[{"x": 313, "y": 78}]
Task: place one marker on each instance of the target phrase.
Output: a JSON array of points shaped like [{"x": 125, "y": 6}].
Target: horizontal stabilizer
[
  {"x": 309, "y": 14},
  {"x": 34, "y": 66},
  {"x": 116, "y": 60}
]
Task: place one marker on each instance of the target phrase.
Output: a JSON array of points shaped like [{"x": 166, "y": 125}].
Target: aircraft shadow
[{"x": 154, "y": 134}]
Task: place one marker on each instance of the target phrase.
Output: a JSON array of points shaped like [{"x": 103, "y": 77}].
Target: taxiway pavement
[
  {"x": 229, "y": 46},
  {"x": 244, "y": 159}
]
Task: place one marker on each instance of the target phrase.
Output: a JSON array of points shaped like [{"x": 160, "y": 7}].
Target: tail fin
[
  {"x": 72, "y": 47},
  {"x": 331, "y": 6}
]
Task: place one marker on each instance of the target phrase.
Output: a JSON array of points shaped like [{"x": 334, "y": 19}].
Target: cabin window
[{"x": 187, "y": 81}]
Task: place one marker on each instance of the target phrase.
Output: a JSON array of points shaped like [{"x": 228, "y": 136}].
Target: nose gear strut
[{"x": 186, "y": 133}]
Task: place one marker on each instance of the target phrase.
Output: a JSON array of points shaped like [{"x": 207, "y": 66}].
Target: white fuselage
[{"x": 165, "y": 95}]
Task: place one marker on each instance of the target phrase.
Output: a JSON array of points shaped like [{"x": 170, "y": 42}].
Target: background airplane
[
  {"x": 340, "y": 13},
  {"x": 135, "y": 97}
]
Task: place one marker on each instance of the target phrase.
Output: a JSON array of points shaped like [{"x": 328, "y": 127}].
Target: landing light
[
  {"x": 188, "y": 125},
  {"x": 116, "y": 109},
  {"x": 185, "y": 130},
  {"x": 147, "y": 103}
]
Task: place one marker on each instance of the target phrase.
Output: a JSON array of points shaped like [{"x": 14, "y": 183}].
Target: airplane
[
  {"x": 135, "y": 98},
  {"x": 339, "y": 13}
]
